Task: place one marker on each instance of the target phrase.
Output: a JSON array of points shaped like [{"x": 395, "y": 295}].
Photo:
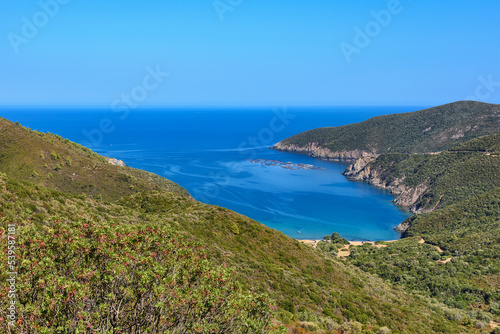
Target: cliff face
[
  {"x": 316, "y": 151},
  {"x": 406, "y": 197},
  {"x": 361, "y": 170}
]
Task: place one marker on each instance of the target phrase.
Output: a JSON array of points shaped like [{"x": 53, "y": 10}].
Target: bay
[{"x": 209, "y": 151}]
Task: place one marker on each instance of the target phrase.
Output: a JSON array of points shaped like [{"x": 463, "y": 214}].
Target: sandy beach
[{"x": 344, "y": 251}]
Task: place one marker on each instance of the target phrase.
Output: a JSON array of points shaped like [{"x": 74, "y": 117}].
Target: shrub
[
  {"x": 288, "y": 306},
  {"x": 479, "y": 324},
  {"x": 96, "y": 277},
  {"x": 495, "y": 308},
  {"x": 337, "y": 239},
  {"x": 383, "y": 330}
]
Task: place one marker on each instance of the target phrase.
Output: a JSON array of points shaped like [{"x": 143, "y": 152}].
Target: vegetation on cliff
[
  {"x": 446, "y": 178},
  {"x": 429, "y": 130}
]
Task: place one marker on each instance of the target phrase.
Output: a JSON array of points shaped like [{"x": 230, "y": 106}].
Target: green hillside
[
  {"x": 148, "y": 242},
  {"x": 448, "y": 177},
  {"x": 49, "y": 160},
  {"x": 463, "y": 271},
  {"x": 430, "y": 130},
  {"x": 459, "y": 261},
  {"x": 487, "y": 144},
  {"x": 467, "y": 227},
  {"x": 444, "y": 161}
]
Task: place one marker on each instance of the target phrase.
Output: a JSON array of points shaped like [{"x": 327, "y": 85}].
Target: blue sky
[{"x": 248, "y": 52}]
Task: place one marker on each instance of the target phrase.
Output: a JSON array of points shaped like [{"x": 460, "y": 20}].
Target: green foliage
[
  {"x": 337, "y": 239},
  {"x": 495, "y": 308},
  {"x": 489, "y": 144},
  {"x": 93, "y": 277},
  {"x": 283, "y": 268},
  {"x": 465, "y": 228},
  {"x": 414, "y": 266},
  {"x": 55, "y": 156}
]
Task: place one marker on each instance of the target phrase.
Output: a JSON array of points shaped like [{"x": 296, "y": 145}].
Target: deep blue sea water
[{"x": 206, "y": 151}]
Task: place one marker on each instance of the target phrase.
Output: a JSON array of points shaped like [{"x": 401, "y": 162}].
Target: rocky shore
[
  {"x": 316, "y": 151},
  {"x": 406, "y": 197},
  {"x": 360, "y": 170}
]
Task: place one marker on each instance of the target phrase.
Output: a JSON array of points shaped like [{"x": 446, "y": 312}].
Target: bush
[
  {"x": 288, "y": 306},
  {"x": 95, "y": 277},
  {"x": 495, "y": 308},
  {"x": 383, "y": 330},
  {"x": 337, "y": 239}
]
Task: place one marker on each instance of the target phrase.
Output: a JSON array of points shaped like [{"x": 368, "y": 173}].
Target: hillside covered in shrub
[{"x": 429, "y": 130}]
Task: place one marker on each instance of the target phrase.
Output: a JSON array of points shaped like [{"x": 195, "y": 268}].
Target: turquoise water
[{"x": 207, "y": 151}]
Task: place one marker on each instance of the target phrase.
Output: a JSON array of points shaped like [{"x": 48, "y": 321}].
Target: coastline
[
  {"x": 344, "y": 252},
  {"x": 357, "y": 160},
  {"x": 353, "y": 243}
]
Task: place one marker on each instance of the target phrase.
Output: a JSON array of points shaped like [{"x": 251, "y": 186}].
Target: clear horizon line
[
  {"x": 166, "y": 106},
  {"x": 208, "y": 105}
]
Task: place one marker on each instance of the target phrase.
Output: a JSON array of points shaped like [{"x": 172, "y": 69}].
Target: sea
[{"x": 222, "y": 157}]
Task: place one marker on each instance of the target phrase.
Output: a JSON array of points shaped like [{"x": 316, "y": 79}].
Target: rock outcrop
[
  {"x": 361, "y": 170},
  {"x": 401, "y": 228},
  {"x": 116, "y": 162},
  {"x": 406, "y": 197},
  {"x": 317, "y": 151}
]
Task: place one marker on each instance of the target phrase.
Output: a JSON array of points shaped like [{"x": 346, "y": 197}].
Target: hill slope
[
  {"x": 307, "y": 285},
  {"x": 57, "y": 163},
  {"x": 425, "y": 182},
  {"x": 459, "y": 263},
  {"x": 430, "y": 130},
  {"x": 443, "y": 164}
]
